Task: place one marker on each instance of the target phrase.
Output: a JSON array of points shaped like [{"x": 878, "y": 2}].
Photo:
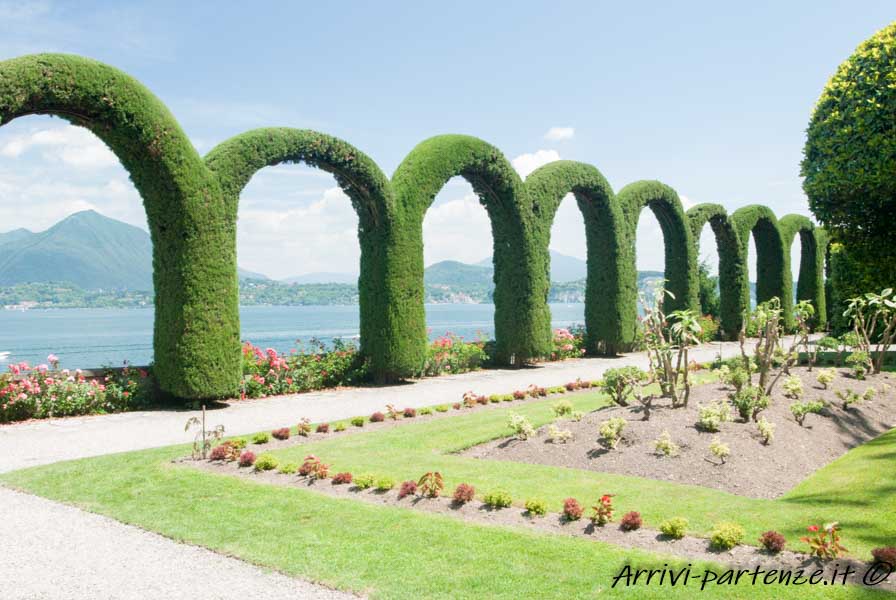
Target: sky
[{"x": 712, "y": 100}]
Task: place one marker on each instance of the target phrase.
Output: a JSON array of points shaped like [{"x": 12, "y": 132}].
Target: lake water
[{"x": 94, "y": 337}]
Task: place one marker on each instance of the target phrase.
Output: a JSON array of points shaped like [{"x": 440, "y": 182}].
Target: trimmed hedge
[
  {"x": 810, "y": 284},
  {"x": 191, "y": 208}
]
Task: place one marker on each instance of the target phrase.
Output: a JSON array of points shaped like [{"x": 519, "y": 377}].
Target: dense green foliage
[{"x": 191, "y": 208}]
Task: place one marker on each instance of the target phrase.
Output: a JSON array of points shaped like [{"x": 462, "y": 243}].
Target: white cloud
[
  {"x": 556, "y": 134},
  {"x": 71, "y": 145},
  {"x": 526, "y": 163},
  {"x": 457, "y": 229}
]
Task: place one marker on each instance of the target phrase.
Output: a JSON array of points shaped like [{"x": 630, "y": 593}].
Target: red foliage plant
[
  {"x": 282, "y": 433},
  {"x": 314, "y": 468},
  {"x": 572, "y": 510},
  {"x": 463, "y": 493},
  {"x": 410, "y": 413},
  {"x": 886, "y": 555},
  {"x": 571, "y": 386},
  {"x": 431, "y": 484},
  {"x": 482, "y": 399},
  {"x": 323, "y": 428},
  {"x": 342, "y": 478},
  {"x": 219, "y": 452},
  {"x": 772, "y": 541},
  {"x": 247, "y": 458},
  {"x": 408, "y": 488},
  {"x": 377, "y": 417},
  {"x": 630, "y": 521},
  {"x": 519, "y": 395},
  {"x": 456, "y": 406}
]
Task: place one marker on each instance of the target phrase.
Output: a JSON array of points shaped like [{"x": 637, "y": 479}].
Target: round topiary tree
[
  {"x": 196, "y": 332},
  {"x": 236, "y": 160},
  {"x": 605, "y": 235}
]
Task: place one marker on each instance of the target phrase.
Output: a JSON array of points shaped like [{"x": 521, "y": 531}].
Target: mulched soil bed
[
  {"x": 753, "y": 469},
  {"x": 690, "y": 548}
]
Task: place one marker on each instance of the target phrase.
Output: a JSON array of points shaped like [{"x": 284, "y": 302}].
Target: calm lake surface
[{"x": 94, "y": 337}]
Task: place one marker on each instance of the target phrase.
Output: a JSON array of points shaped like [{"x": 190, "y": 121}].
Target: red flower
[{"x": 813, "y": 528}]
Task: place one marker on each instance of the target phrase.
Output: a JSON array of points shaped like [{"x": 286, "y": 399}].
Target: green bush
[
  {"x": 287, "y": 468},
  {"x": 365, "y": 481},
  {"x": 536, "y": 507},
  {"x": 801, "y": 409},
  {"x": 261, "y": 438},
  {"x": 711, "y": 416},
  {"x": 383, "y": 484},
  {"x": 339, "y": 427},
  {"x": 611, "y": 431},
  {"x": 266, "y": 462},
  {"x": 563, "y": 408},
  {"x": 749, "y": 402},
  {"x": 424, "y": 411},
  {"x": 618, "y": 383},
  {"x": 675, "y": 527},
  {"x": 726, "y": 536},
  {"x": 497, "y": 499},
  {"x": 358, "y": 421}
]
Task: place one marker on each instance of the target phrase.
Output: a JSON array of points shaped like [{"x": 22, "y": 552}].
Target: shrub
[
  {"x": 885, "y": 555},
  {"x": 801, "y": 409},
  {"x": 718, "y": 449},
  {"x": 469, "y": 399},
  {"x": 408, "y": 488},
  {"x": 859, "y": 362},
  {"x": 247, "y": 458},
  {"x": 793, "y": 387},
  {"x": 664, "y": 444},
  {"x": 576, "y": 416},
  {"x": 611, "y": 431},
  {"x": 220, "y": 452},
  {"x": 557, "y": 389},
  {"x": 458, "y": 405},
  {"x": 463, "y": 493},
  {"x": 726, "y": 536},
  {"x": 735, "y": 376},
  {"x": 481, "y": 399},
  {"x": 536, "y": 507},
  {"x": 618, "y": 383},
  {"x": 377, "y": 417},
  {"x": 281, "y": 434},
  {"x": 498, "y": 499},
  {"x": 230, "y": 449},
  {"x": 848, "y": 398},
  {"x": 266, "y": 462},
  {"x": 314, "y": 468},
  {"x": 288, "y": 468},
  {"x": 603, "y": 510},
  {"x": 557, "y": 435},
  {"x": 711, "y": 416},
  {"x": 536, "y": 392},
  {"x": 749, "y": 402},
  {"x": 572, "y": 510},
  {"x": 393, "y": 413},
  {"x": 304, "y": 427},
  {"x": 869, "y": 394},
  {"x": 358, "y": 421},
  {"x": 519, "y": 394},
  {"x": 261, "y": 438},
  {"x": 571, "y": 386},
  {"x": 772, "y": 541},
  {"x": 339, "y": 427},
  {"x": 630, "y": 521},
  {"x": 674, "y": 528},
  {"x": 342, "y": 478},
  {"x": 825, "y": 377},
  {"x": 431, "y": 484},
  {"x": 409, "y": 412},
  {"x": 824, "y": 542},
  {"x": 766, "y": 430},
  {"x": 384, "y": 484},
  {"x": 362, "y": 482},
  {"x": 323, "y": 428},
  {"x": 520, "y": 426},
  {"x": 442, "y": 408},
  {"x": 562, "y": 408},
  {"x": 424, "y": 411}
]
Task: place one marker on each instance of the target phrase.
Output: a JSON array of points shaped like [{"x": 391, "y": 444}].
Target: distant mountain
[
  {"x": 86, "y": 249},
  {"x": 246, "y": 274},
  {"x": 563, "y": 268},
  {"x": 323, "y": 277}
]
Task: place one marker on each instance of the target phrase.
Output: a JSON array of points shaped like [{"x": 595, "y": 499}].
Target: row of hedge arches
[{"x": 191, "y": 207}]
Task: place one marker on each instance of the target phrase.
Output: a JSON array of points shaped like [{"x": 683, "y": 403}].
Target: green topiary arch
[
  {"x": 236, "y": 161},
  {"x": 680, "y": 253},
  {"x": 522, "y": 325},
  {"x": 731, "y": 263},
  {"x": 605, "y": 235},
  {"x": 771, "y": 265},
  {"x": 196, "y": 333},
  {"x": 810, "y": 283}
]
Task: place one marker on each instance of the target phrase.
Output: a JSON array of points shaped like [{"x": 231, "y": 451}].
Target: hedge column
[
  {"x": 196, "y": 335},
  {"x": 771, "y": 265},
  {"x": 810, "y": 284},
  {"x": 236, "y": 160}
]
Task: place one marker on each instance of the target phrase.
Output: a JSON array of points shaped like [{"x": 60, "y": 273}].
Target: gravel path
[{"x": 59, "y": 552}]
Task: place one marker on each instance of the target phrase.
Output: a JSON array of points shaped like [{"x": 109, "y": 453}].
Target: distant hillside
[
  {"x": 323, "y": 277},
  {"x": 563, "y": 268},
  {"x": 85, "y": 249}
]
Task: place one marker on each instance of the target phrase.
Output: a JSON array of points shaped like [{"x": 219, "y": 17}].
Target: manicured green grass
[
  {"x": 850, "y": 490},
  {"x": 380, "y": 551}
]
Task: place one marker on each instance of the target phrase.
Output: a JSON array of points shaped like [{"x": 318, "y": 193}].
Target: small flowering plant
[
  {"x": 568, "y": 343},
  {"x": 603, "y": 510},
  {"x": 824, "y": 542},
  {"x": 450, "y": 353}
]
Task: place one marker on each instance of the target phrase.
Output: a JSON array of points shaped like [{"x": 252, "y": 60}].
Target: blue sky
[{"x": 709, "y": 99}]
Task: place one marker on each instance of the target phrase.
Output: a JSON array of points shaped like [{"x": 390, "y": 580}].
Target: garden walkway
[{"x": 61, "y": 552}]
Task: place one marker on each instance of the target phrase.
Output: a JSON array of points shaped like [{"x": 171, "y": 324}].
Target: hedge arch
[
  {"x": 731, "y": 263},
  {"x": 680, "y": 253},
  {"x": 771, "y": 265},
  {"x": 236, "y": 161},
  {"x": 196, "y": 333},
  {"x": 605, "y": 236},
  {"x": 810, "y": 282},
  {"x": 522, "y": 320}
]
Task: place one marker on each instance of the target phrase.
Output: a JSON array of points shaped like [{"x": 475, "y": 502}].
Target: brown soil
[
  {"x": 752, "y": 469},
  {"x": 690, "y": 548}
]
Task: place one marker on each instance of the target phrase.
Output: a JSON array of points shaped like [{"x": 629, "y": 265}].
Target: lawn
[{"x": 388, "y": 552}]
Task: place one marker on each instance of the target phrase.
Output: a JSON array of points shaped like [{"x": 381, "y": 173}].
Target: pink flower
[
  {"x": 813, "y": 528},
  {"x": 53, "y": 360}
]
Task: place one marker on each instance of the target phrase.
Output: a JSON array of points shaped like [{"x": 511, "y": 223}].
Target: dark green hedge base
[{"x": 191, "y": 207}]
